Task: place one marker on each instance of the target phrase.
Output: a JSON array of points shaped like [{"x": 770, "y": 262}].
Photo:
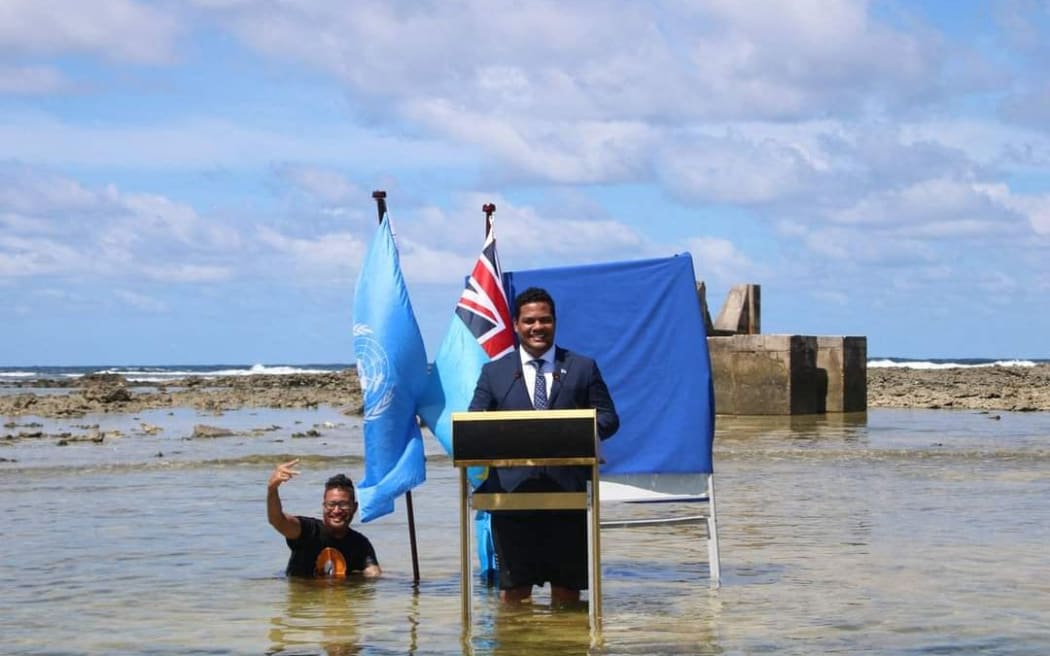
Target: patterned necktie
[{"x": 539, "y": 394}]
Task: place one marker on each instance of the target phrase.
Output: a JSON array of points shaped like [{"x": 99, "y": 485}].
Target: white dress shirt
[{"x": 528, "y": 370}]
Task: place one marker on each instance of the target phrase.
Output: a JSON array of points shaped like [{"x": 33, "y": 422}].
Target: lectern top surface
[
  {"x": 524, "y": 435},
  {"x": 491, "y": 415}
]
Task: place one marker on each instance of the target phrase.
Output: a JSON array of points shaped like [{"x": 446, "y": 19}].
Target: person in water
[
  {"x": 325, "y": 547},
  {"x": 534, "y": 547}
]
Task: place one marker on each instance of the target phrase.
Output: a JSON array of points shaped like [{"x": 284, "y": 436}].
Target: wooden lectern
[{"x": 528, "y": 438}]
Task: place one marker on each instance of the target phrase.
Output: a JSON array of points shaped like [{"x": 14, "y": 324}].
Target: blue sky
[{"x": 190, "y": 182}]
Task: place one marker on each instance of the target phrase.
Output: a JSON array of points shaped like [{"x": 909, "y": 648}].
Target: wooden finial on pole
[
  {"x": 379, "y": 196},
  {"x": 488, "y": 209}
]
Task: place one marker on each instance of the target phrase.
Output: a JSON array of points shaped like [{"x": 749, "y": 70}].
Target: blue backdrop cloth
[
  {"x": 641, "y": 321},
  {"x": 392, "y": 367}
]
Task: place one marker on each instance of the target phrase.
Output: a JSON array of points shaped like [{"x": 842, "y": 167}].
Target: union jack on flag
[{"x": 483, "y": 305}]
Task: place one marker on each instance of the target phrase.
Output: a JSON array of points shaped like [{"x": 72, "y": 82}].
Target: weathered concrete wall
[
  {"x": 765, "y": 374},
  {"x": 741, "y": 312},
  {"x": 845, "y": 359},
  {"x": 788, "y": 374}
]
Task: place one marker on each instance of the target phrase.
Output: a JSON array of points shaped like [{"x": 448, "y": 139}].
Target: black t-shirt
[{"x": 317, "y": 553}]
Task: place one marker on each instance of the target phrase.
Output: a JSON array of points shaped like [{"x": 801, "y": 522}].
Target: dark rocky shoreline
[
  {"x": 1021, "y": 389},
  {"x": 112, "y": 393},
  {"x": 977, "y": 388}
]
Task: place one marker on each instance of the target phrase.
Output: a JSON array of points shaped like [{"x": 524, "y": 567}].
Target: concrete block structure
[
  {"x": 845, "y": 361},
  {"x": 788, "y": 374}
]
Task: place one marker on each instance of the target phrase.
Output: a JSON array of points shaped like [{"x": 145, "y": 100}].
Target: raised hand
[{"x": 283, "y": 472}]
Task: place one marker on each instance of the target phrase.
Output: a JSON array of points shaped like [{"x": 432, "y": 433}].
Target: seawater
[{"x": 896, "y": 532}]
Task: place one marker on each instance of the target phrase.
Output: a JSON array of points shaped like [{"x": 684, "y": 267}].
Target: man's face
[
  {"x": 535, "y": 328},
  {"x": 339, "y": 507}
]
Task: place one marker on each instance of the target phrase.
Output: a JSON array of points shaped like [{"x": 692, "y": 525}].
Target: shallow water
[{"x": 902, "y": 532}]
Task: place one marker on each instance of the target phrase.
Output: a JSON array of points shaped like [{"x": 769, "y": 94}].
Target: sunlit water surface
[{"x": 899, "y": 532}]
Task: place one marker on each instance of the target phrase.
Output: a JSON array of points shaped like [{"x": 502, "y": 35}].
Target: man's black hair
[
  {"x": 533, "y": 295},
  {"x": 340, "y": 481}
]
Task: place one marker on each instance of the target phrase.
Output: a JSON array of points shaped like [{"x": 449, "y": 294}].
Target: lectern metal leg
[
  {"x": 594, "y": 550},
  {"x": 466, "y": 582}
]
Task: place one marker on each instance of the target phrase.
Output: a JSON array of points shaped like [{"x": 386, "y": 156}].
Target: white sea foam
[
  {"x": 886, "y": 363},
  {"x": 162, "y": 374},
  {"x": 151, "y": 375}
]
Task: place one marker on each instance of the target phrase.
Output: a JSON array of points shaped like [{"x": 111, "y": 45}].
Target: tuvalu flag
[
  {"x": 392, "y": 368},
  {"x": 480, "y": 331}
]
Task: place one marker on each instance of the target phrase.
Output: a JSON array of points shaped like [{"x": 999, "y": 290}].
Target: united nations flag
[{"x": 392, "y": 367}]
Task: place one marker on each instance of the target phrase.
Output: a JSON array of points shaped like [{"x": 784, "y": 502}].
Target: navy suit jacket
[{"x": 577, "y": 384}]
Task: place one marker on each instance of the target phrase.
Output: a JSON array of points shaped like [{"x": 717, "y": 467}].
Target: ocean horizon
[{"x": 161, "y": 373}]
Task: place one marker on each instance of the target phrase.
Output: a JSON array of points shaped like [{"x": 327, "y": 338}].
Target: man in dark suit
[{"x": 534, "y": 547}]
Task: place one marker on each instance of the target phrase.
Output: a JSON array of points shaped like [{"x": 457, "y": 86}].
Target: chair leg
[{"x": 712, "y": 534}]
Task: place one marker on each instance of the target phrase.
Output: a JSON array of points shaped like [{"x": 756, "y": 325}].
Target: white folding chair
[{"x": 643, "y": 500}]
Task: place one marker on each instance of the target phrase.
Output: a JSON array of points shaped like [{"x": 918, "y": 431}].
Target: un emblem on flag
[{"x": 373, "y": 371}]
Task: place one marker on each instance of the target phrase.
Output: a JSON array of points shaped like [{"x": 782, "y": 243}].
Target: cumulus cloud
[
  {"x": 594, "y": 151},
  {"x": 712, "y": 60},
  {"x": 326, "y": 184},
  {"x": 121, "y": 30},
  {"x": 141, "y": 301},
  {"x": 192, "y": 142},
  {"x": 718, "y": 261},
  {"x": 55, "y": 226},
  {"x": 152, "y": 216},
  {"x": 1034, "y": 207},
  {"x": 530, "y": 239},
  {"x": 31, "y": 80},
  {"x": 736, "y": 169},
  {"x": 935, "y": 202},
  {"x": 22, "y": 257},
  {"x": 852, "y": 135},
  {"x": 325, "y": 255}
]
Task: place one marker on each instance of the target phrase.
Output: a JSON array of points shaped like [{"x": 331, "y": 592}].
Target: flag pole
[
  {"x": 488, "y": 209},
  {"x": 379, "y": 196}
]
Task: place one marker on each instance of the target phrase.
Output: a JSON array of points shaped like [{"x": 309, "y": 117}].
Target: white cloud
[
  {"x": 717, "y": 59},
  {"x": 154, "y": 217},
  {"x": 31, "y": 80},
  {"x": 719, "y": 262},
  {"x": 56, "y": 226},
  {"x": 733, "y": 169},
  {"x": 325, "y": 184},
  {"x": 940, "y": 202},
  {"x": 1035, "y": 207},
  {"x": 854, "y": 143},
  {"x": 187, "y": 273},
  {"x": 116, "y": 29},
  {"x": 141, "y": 301},
  {"x": 531, "y": 240},
  {"x": 422, "y": 263},
  {"x": 22, "y": 257},
  {"x": 853, "y": 249},
  {"x": 581, "y": 152},
  {"x": 194, "y": 143},
  {"x": 324, "y": 255},
  {"x": 996, "y": 284},
  {"x": 25, "y": 191}
]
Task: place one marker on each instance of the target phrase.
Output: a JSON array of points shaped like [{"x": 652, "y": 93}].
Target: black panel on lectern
[{"x": 524, "y": 438}]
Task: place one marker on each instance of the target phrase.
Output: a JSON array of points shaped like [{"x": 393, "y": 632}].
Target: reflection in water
[
  {"x": 902, "y": 532},
  {"x": 530, "y": 628},
  {"x": 322, "y": 612}
]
